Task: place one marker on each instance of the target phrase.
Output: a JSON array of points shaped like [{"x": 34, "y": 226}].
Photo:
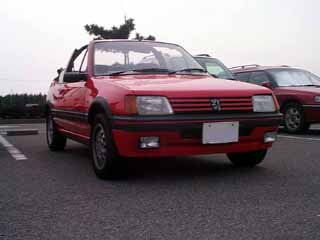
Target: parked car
[
  {"x": 121, "y": 105},
  {"x": 214, "y": 67},
  {"x": 297, "y": 90}
]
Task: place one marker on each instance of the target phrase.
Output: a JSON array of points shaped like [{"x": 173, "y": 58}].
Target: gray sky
[{"x": 38, "y": 36}]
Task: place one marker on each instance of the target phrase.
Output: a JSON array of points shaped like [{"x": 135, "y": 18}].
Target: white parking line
[
  {"x": 15, "y": 153},
  {"x": 301, "y": 138}
]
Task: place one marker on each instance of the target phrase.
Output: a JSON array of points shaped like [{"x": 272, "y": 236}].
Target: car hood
[{"x": 186, "y": 85}]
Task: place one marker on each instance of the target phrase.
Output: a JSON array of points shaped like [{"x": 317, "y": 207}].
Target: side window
[
  {"x": 79, "y": 64},
  {"x": 84, "y": 64},
  {"x": 215, "y": 69},
  {"x": 61, "y": 76},
  {"x": 259, "y": 78},
  {"x": 244, "y": 77}
]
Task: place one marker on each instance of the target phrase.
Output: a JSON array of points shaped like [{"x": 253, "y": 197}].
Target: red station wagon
[
  {"x": 113, "y": 98},
  {"x": 297, "y": 90}
]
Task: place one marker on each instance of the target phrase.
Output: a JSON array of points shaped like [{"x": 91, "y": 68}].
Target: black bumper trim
[
  {"x": 314, "y": 106},
  {"x": 70, "y": 115},
  {"x": 200, "y": 117},
  {"x": 181, "y": 127},
  {"x": 245, "y": 122}
]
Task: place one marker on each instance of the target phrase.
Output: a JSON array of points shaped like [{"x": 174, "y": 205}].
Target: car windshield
[
  {"x": 215, "y": 67},
  {"x": 294, "y": 78},
  {"x": 132, "y": 57}
]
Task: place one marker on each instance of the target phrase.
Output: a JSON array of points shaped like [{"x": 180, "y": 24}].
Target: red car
[
  {"x": 152, "y": 99},
  {"x": 298, "y": 92}
]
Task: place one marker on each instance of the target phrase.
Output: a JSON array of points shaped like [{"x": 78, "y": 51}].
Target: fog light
[
  {"x": 270, "y": 137},
  {"x": 149, "y": 142}
]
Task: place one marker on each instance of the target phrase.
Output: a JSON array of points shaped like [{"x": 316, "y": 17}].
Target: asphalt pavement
[{"x": 55, "y": 195}]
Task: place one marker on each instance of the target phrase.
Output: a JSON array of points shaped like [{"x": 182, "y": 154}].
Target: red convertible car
[
  {"x": 297, "y": 90},
  {"x": 127, "y": 98}
]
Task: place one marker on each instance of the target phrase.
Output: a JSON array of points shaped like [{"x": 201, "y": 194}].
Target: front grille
[{"x": 204, "y": 105}]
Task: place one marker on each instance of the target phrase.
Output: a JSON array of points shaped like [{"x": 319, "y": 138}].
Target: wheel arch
[
  {"x": 289, "y": 101},
  {"x": 99, "y": 105}
]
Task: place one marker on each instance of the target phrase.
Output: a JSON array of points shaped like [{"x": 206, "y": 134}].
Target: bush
[{"x": 22, "y": 106}]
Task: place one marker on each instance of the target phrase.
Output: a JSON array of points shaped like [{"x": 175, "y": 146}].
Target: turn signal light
[{"x": 131, "y": 104}]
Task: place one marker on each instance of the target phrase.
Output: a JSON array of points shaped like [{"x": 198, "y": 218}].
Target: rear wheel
[
  {"x": 294, "y": 120},
  {"x": 55, "y": 140},
  {"x": 106, "y": 162},
  {"x": 247, "y": 159}
]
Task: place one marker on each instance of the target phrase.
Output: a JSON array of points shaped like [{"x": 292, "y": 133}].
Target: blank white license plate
[{"x": 220, "y": 132}]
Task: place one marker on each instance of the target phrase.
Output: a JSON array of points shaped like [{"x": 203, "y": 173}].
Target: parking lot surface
[{"x": 55, "y": 195}]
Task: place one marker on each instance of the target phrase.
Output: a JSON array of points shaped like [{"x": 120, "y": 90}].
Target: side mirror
[
  {"x": 267, "y": 85},
  {"x": 71, "y": 77},
  {"x": 59, "y": 70}
]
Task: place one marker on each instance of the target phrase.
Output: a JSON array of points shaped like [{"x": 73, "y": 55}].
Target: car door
[{"x": 72, "y": 94}]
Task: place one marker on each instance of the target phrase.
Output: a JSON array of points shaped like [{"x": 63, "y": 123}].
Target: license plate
[{"x": 220, "y": 132}]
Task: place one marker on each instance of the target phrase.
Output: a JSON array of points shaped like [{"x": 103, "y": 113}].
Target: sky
[{"x": 38, "y": 36}]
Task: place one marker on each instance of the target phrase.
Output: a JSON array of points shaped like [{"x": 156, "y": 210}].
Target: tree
[
  {"x": 140, "y": 37},
  {"x": 121, "y": 32}
]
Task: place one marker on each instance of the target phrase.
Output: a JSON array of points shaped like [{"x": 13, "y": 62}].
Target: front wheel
[
  {"x": 247, "y": 159},
  {"x": 294, "y": 120},
  {"x": 107, "y": 164}
]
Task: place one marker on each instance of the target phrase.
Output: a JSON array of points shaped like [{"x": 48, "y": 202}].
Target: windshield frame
[
  {"x": 273, "y": 72},
  {"x": 184, "y": 51}
]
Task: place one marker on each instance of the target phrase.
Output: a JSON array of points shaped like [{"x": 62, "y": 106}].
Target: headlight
[
  {"x": 153, "y": 105},
  {"x": 317, "y": 99},
  {"x": 148, "y": 105},
  {"x": 263, "y": 103}
]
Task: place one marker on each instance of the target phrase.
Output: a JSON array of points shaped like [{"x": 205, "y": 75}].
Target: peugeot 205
[{"x": 122, "y": 105}]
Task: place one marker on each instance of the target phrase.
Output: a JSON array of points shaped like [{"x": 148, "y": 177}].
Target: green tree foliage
[
  {"x": 22, "y": 105},
  {"x": 140, "y": 37},
  {"x": 121, "y": 32}
]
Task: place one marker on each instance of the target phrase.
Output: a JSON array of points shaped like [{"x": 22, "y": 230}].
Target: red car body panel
[{"x": 80, "y": 96}]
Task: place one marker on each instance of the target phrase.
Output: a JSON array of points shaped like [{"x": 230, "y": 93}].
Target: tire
[
  {"x": 106, "y": 162},
  {"x": 293, "y": 119},
  {"x": 247, "y": 159},
  {"x": 55, "y": 140}
]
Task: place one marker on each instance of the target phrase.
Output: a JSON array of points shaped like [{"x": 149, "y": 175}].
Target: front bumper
[
  {"x": 182, "y": 134},
  {"x": 312, "y": 113}
]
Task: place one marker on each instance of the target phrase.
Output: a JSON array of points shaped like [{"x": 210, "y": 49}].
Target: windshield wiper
[
  {"x": 292, "y": 86},
  {"x": 145, "y": 70},
  {"x": 310, "y": 85},
  {"x": 157, "y": 70},
  {"x": 188, "y": 70}
]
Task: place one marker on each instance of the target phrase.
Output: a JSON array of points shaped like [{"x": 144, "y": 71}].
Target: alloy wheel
[
  {"x": 100, "y": 152},
  {"x": 293, "y": 119}
]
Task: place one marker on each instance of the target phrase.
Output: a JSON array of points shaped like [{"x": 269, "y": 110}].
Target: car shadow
[
  {"x": 179, "y": 168},
  {"x": 315, "y": 132},
  {"x": 77, "y": 158},
  {"x": 311, "y": 132}
]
